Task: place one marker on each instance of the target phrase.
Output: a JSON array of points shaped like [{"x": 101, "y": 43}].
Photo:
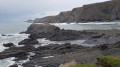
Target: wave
[
  {"x": 44, "y": 42},
  {"x": 7, "y": 62},
  {"x": 15, "y": 38},
  {"x": 10, "y": 61}
]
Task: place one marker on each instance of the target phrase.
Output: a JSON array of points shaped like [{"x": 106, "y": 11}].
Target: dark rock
[
  {"x": 62, "y": 54},
  {"x": 98, "y": 36},
  {"x": 22, "y": 32},
  {"x": 42, "y": 28},
  {"x": 10, "y": 35},
  {"x": 82, "y": 56},
  {"x": 113, "y": 52},
  {"x": 102, "y": 47},
  {"x": 14, "y": 65},
  {"x": 108, "y": 46},
  {"x": 18, "y": 52},
  {"x": 28, "y": 41},
  {"x": 54, "y": 33},
  {"x": 8, "y": 45},
  {"x": 3, "y": 35},
  {"x": 6, "y": 35}
]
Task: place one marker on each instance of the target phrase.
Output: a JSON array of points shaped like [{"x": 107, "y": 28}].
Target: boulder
[
  {"x": 17, "y": 54},
  {"x": 15, "y": 65},
  {"x": 3, "y": 35},
  {"x": 6, "y": 35},
  {"x": 28, "y": 41},
  {"x": 40, "y": 28},
  {"x": 8, "y": 45}
]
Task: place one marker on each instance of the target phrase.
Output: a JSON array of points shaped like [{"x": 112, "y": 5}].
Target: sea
[{"x": 12, "y": 31}]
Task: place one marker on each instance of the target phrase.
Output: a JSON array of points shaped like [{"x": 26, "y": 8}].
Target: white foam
[
  {"x": 37, "y": 66},
  {"x": 100, "y": 23},
  {"x": 36, "y": 46},
  {"x": 16, "y": 38},
  {"x": 44, "y": 42},
  {"x": 97, "y": 22},
  {"x": 19, "y": 63},
  {"x": 48, "y": 57},
  {"x": 58, "y": 23},
  {"x": 7, "y": 62}
]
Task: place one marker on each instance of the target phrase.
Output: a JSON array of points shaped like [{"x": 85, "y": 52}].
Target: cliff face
[{"x": 105, "y": 11}]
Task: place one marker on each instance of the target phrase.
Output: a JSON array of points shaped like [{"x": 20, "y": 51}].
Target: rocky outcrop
[
  {"x": 105, "y": 11},
  {"x": 66, "y": 53},
  {"x": 8, "y": 45},
  {"x": 17, "y": 52},
  {"x": 104, "y": 37},
  {"x": 14, "y": 65},
  {"x": 54, "y": 33},
  {"x": 28, "y": 42},
  {"x": 40, "y": 28},
  {"x": 61, "y": 53}
]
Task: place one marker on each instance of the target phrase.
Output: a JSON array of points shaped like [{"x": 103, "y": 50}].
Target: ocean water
[
  {"x": 14, "y": 28},
  {"x": 11, "y": 28},
  {"x": 89, "y": 26}
]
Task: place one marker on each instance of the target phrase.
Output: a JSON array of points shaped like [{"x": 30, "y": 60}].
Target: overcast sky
[{"x": 21, "y": 10}]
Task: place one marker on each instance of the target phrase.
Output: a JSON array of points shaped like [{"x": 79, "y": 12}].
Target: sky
[{"x": 21, "y": 10}]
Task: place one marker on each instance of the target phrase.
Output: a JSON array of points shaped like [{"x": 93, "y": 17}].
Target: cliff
[{"x": 105, "y": 11}]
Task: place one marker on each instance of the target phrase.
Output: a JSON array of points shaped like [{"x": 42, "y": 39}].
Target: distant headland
[{"x": 105, "y": 11}]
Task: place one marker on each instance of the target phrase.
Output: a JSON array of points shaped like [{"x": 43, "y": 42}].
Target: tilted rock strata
[{"x": 105, "y": 11}]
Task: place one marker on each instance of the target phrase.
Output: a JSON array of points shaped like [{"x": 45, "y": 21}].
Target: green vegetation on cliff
[
  {"x": 109, "y": 61},
  {"x": 103, "y": 61},
  {"x": 105, "y": 11}
]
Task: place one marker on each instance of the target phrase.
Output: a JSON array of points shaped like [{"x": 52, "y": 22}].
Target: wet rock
[
  {"x": 67, "y": 48},
  {"x": 6, "y": 35},
  {"x": 108, "y": 46},
  {"x": 18, "y": 52},
  {"x": 98, "y": 36},
  {"x": 14, "y": 65},
  {"x": 3, "y": 35},
  {"x": 102, "y": 47},
  {"x": 10, "y": 35},
  {"x": 63, "y": 48},
  {"x": 8, "y": 45},
  {"x": 28, "y": 41}
]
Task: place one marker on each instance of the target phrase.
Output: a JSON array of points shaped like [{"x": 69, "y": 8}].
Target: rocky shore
[
  {"x": 52, "y": 55},
  {"x": 105, "y": 11},
  {"x": 54, "y": 33}
]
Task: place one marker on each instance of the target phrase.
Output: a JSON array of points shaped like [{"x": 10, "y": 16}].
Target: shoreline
[{"x": 62, "y": 53}]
